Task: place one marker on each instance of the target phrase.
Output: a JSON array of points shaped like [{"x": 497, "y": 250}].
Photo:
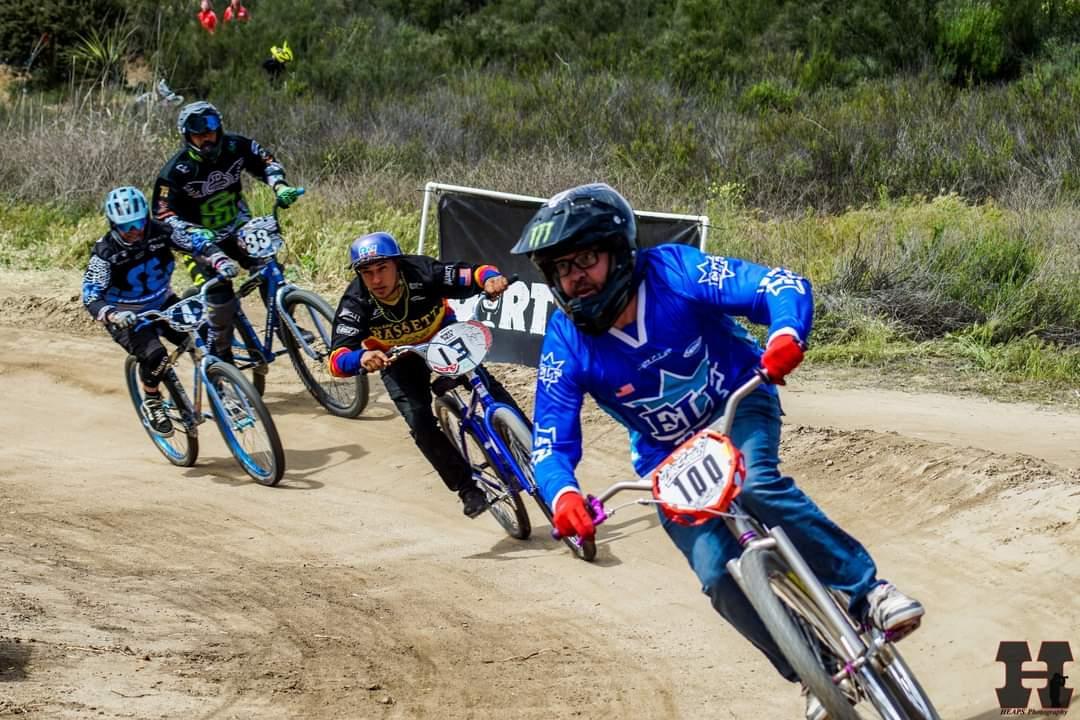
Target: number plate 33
[
  {"x": 699, "y": 479},
  {"x": 260, "y": 237}
]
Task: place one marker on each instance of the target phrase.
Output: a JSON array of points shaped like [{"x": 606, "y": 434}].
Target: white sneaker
[{"x": 893, "y": 612}]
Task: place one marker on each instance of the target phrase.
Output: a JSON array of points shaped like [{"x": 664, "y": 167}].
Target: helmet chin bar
[{"x": 595, "y": 314}]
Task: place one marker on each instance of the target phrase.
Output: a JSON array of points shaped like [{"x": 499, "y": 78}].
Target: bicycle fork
[{"x": 857, "y": 656}]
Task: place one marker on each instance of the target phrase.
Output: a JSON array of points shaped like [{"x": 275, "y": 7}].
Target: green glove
[{"x": 287, "y": 195}]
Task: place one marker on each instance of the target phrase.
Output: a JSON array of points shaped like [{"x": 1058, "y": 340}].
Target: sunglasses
[
  {"x": 133, "y": 225},
  {"x": 583, "y": 261}
]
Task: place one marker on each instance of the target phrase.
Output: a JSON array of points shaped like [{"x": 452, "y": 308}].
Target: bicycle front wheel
[
  {"x": 786, "y": 611},
  {"x": 182, "y": 447},
  {"x": 245, "y": 424},
  {"x": 344, "y": 397},
  {"x": 503, "y": 494},
  {"x": 515, "y": 434}
]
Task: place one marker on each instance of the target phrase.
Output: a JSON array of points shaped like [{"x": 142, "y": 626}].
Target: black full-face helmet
[
  {"x": 195, "y": 119},
  {"x": 587, "y": 216}
]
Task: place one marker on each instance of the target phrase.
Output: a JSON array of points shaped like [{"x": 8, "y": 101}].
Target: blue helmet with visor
[{"x": 372, "y": 247}]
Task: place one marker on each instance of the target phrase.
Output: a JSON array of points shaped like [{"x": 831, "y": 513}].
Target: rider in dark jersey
[
  {"x": 399, "y": 299},
  {"x": 200, "y": 189},
  {"x": 129, "y": 271}
]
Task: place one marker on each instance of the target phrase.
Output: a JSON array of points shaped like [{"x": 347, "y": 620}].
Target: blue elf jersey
[{"x": 667, "y": 374}]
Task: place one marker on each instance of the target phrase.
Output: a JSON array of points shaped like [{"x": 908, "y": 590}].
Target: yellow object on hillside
[{"x": 282, "y": 54}]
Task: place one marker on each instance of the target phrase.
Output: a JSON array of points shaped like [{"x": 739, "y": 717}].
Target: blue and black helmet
[
  {"x": 198, "y": 118},
  {"x": 371, "y": 247},
  {"x": 582, "y": 217}
]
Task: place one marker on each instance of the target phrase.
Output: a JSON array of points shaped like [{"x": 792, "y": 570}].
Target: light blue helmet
[
  {"x": 374, "y": 246},
  {"x": 126, "y": 209}
]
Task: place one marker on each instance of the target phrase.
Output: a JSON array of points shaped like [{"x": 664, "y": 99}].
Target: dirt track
[{"x": 133, "y": 589}]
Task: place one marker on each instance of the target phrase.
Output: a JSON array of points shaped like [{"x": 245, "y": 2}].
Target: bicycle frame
[
  {"x": 192, "y": 404},
  {"x": 477, "y": 417},
  {"x": 270, "y": 273}
]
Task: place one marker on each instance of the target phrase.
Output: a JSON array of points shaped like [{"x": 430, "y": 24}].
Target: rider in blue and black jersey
[
  {"x": 650, "y": 335},
  {"x": 130, "y": 270}
]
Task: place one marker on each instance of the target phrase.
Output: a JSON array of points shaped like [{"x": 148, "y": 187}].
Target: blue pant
[{"x": 836, "y": 558}]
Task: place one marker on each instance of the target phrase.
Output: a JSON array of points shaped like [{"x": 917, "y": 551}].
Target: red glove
[
  {"x": 782, "y": 355},
  {"x": 572, "y": 518}
]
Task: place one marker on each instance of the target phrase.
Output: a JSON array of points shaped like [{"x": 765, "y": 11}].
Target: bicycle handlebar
[
  {"x": 722, "y": 425},
  {"x": 150, "y": 316},
  {"x": 399, "y": 350}
]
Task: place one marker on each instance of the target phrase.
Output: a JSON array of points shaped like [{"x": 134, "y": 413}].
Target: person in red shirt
[
  {"x": 236, "y": 11},
  {"x": 207, "y": 16}
]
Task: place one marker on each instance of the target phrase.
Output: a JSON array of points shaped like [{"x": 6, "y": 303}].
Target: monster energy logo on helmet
[
  {"x": 539, "y": 234},
  {"x": 582, "y": 217}
]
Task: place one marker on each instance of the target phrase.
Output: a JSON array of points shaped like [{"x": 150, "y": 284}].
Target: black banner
[{"x": 482, "y": 229}]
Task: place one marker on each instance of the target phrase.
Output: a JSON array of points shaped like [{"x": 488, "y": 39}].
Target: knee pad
[{"x": 152, "y": 366}]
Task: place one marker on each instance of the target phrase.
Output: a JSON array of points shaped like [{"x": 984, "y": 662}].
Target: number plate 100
[{"x": 698, "y": 479}]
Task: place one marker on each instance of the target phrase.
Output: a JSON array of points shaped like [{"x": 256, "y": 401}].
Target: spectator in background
[
  {"x": 275, "y": 64},
  {"x": 236, "y": 11},
  {"x": 207, "y": 16}
]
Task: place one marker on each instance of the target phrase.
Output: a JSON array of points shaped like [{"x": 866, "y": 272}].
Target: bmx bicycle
[
  {"x": 235, "y": 406},
  {"x": 300, "y": 318},
  {"x": 492, "y": 436},
  {"x": 842, "y": 660}
]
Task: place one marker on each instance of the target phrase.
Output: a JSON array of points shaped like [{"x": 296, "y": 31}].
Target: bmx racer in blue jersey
[
  {"x": 650, "y": 335},
  {"x": 130, "y": 271}
]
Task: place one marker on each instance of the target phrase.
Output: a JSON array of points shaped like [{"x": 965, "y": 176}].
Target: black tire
[
  {"x": 509, "y": 511},
  {"x": 230, "y": 390},
  {"x": 514, "y": 432},
  {"x": 183, "y": 447},
  {"x": 760, "y": 570},
  {"x": 343, "y": 397}
]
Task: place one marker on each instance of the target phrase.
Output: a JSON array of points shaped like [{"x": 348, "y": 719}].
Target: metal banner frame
[{"x": 433, "y": 188}]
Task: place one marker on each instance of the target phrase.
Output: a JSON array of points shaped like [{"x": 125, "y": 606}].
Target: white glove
[
  {"x": 224, "y": 266},
  {"x": 122, "y": 318}
]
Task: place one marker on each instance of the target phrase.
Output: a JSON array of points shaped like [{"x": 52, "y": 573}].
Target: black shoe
[
  {"x": 153, "y": 410},
  {"x": 474, "y": 500}
]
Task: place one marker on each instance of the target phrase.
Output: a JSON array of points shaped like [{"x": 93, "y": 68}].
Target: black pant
[
  {"x": 145, "y": 344},
  {"x": 222, "y": 303},
  {"x": 408, "y": 382}
]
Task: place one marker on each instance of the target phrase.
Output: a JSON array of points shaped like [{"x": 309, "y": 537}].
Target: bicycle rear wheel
[
  {"x": 785, "y": 610},
  {"x": 182, "y": 448},
  {"x": 344, "y": 397},
  {"x": 504, "y": 496},
  {"x": 245, "y": 424},
  {"x": 514, "y": 432}
]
